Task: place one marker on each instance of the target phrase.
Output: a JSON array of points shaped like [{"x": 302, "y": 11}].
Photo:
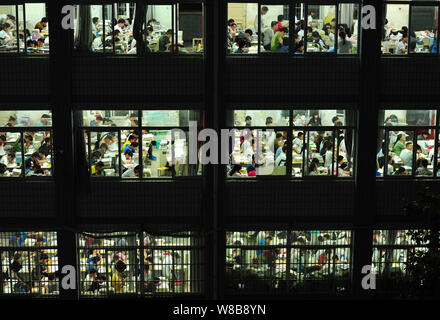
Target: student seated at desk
[
  {"x": 127, "y": 158},
  {"x": 268, "y": 35},
  {"x": 277, "y": 40},
  {"x": 422, "y": 168},
  {"x": 342, "y": 166},
  {"x": 344, "y": 45},
  {"x": 30, "y": 162},
  {"x": 126, "y": 146},
  {"x": 241, "y": 47},
  {"x": 401, "y": 171},
  {"x": 298, "y": 143},
  {"x": 9, "y": 160},
  {"x": 164, "y": 41},
  {"x": 282, "y": 158},
  {"x": 12, "y": 122},
  {"x": 390, "y": 167},
  {"x": 318, "y": 42},
  {"x": 98, "y": 169},
  {"x": 35, "y": 170},
  {"x": 407, "y": 154},
  {"x": 285, "y": 46},
  {"x": 132, "y": 147},
  {"x": 328, "y": 154},
  {"x": 132, "y": 173},
  {"x": 5, "y": 33},
  {"x": 246, "y": 36},
  {"x": 313, "y": 168},
  {"x": 402, "y": 45},
  {"x": 399, "y": 144}
]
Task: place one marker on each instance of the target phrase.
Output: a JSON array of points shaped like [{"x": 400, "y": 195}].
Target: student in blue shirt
[
  {"x": 132, "y": 147},
  {"x": 300, "y": 47}
]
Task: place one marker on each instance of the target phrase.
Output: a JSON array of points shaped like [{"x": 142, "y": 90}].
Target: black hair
[
  {"x": 129, "y": 152},
  {"x": 120, "y": 266},
  {"x": 137, "y": 168},
  {"x": 273, "y": 23},
  {"x": 131, "y": 137},
  {"x": 29, "y": 137},
  {"x": 284, "y": 29},
  {"x": 424, "y": 163},
  {"x": 134, "y": 144},
  {"x": 44, "y": 19},
  {"x": 3, "y": 137},
  {"x": 248, "y": 31},
  {"x": 241, "y": 43},
  {"x": 230, "y": 21},
  {"x": 335, "y": 118},
  {"x": 99, "y": 164},
  {"x": 343, "y": 35},
  {"x": 170, "y": 31},
  {"x": 35, "y": 154},
  {"x": 248, "y": 118},
  {"x": 269, "y": 120},
  {"x": 264, "y": 9},
  {"x": 95, "y": 19},
  {"x": 300, "y": 134},
  {"x": 150, "y": 28},
  {"x": 279, "y": 135},
  {"x": 128, "y": 19},
  {"x": 12, "y": 155},
  {"x": 280, "y": 18},
  {"x": 121, "y": 21}
]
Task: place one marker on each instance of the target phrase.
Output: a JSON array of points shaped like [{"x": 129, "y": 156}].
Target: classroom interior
[
  {"x": 176, "y": 28},
  {"x": 24, "y": 28},
  {"x": 415, "y": 25},
  {"x": 314, "y": 29},
  {"x": 133, "y": 263}
]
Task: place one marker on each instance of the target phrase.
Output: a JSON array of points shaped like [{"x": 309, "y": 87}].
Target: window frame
[
  {"x": 292, "y": 22},
  {"x": 88, "y": 129},
  {"x": 411, "y": 4},
  {"x": 386, "y": 129},
  {"x": 288, "y": 246},
  {"x": 174, "y": 13},
  {"x": 305, "y": 129},
  {"x": 24, "y": 53},
  {"x": 22, "y": 130}
]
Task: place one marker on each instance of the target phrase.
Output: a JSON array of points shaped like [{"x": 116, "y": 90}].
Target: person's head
[
  {"x": 342, "y": 35},
  {"x": 127, "y": 21},
  {"x": 269, "y": 121},
  {"x": 264, "y": 10},
  {"x": 137, "y": 170},
  {"x": 301, "y": 135},
  {"x": 274, "y": 25},
  {"x": 96, "y": 155},
  {"x": 340, "y": 159},
  {"x": 296, "y": 38},
  {"x": 230, "y": 22},
  {"x": 309, "y": 31},
  {"x": 280, "y": 18},
  {"x": 284, "y": 149},
  {"x": 248, "y": 32},
  {"x": 103, "y": 148},
  {"x": 149, "y": 30},
  {"x": 409, "y": 145},
  {"x": 99, "y": 166},
  {"x": 95, "y": 20},
  {"x": 425, "y": 135},
  {"x": 121, "y": 22},
  {"x": 92, "y": 272},
  {"x": 315, "y": 35},
  {"x": 42, "y": 153},
  {"x": 134, "y": 145},
  {"x": 284, "y": 31},
  {"x": 400, "y": 171},
  {"x": 151, "y": 22},
  {"x": 28, "y": 138},
  {"x": 120, "y": 266},
  {"x": 401, "y": 137},
  {"x": 169, "y": 33},
  {"x": 44, "y": 21},
  {"x": 30, "y": 43},
  {"x": 423, "y": 163},
  {"x": 405, "y": 37},
  {"x": 132, "y": 138},
  {"x": 233, "y": 26},
  {"x": 128, "y": 154},
  {"x": 11, "y": 18},
  {"x": 300, "y": 46},
  {"x": 10, "y": 157},
  {"x": 12, "y": 120},
  {"x": 108, "y": 139},
  {"x": 390, "y": 159},
  {"x": 279, "y": 136},
  {"x": 248, "y": 120},
  {"x": 99, "y": 119},
  {"x": 5, "y": 26},
  {"x": 333, "y": 22},
  {"x": 40, "y": 42},
  {"x": 334, "y": 119}
]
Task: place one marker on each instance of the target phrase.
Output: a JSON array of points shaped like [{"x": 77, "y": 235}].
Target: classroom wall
[
  {"x": 34, "y": 13},
  {"x": 7, "y": 10},
  {"x": 397, "y": 15},
  {"x": 163, "y": 14}
]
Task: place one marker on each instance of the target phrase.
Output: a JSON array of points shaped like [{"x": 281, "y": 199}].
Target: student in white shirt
[
  {"x": 298, "y": 143},
  {"x": 407, "y": 154},
  {"x": 281, "y": 159},
  {"x": 5, "y": 34},
  {"x": 328, "y": 158},
  {"x": 402, "y": 46},
  {"x": 263, "y": 23}
]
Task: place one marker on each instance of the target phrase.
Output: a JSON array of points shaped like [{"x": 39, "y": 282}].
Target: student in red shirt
[{"x": 279, "y": 23}]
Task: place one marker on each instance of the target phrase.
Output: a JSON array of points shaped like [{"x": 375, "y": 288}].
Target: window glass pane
[
  {"x": 160, "y": 19},
  {"x": 242, "y": 26},
  {"x": 423, "y": 28},
  {"x": 8, "y": 29},
  {"x": 97, "y": 25},
  {"x": 425, "y": 152},
  {"x": 123, "y": 28},
  {"x": 347, "y": 30},
  {"x": 108, "y": 263},
  {"x": 169, "y": 118},
  {"x": 327, "y": 118},
  {"x": 190, "y": 26},
  {"x": 38, "y": 153},
  {"x": 129, "y": 154},
  {"x": 402, "y": 151},
  {"x": 102, "y": 152},
  {"x": 38, "y": 25},
  {"x": 260, "y": 118},
  {"x": 157, "y": 160},
  {"x": 394, "y": 42},
  {"x": 29, "y": 263},
  {"x": 26, "y": 118},
  {"x": 408, "y": 117},
  {"x": 274, "y": 28},
  {"x": 318, "y": 39},
  {"x": 110, "y": 118}
]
